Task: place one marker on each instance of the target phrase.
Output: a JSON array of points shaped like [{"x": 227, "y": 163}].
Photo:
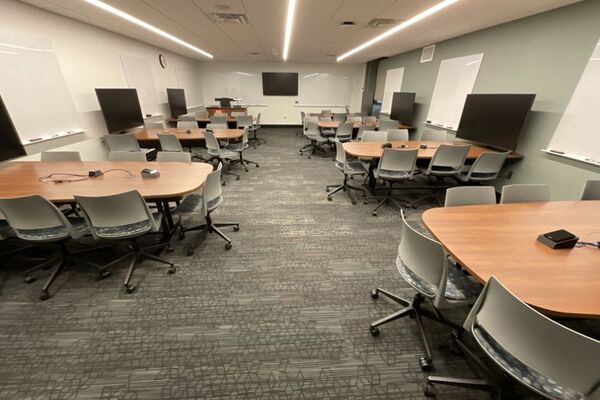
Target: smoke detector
[
  {"x": 381, "y": 22},
  {"x": 229, "y": 18},
  {"x": 347, "y": 24}
]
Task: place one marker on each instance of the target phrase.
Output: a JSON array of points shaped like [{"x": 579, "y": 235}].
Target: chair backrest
[
  {"x": 435, "y": 135},
  {"x": 369, "y": 119},
  {"x": 121, "y": 142},
  {"x": 257, "y": 121},
  {"x": 218, "y": 119},
  {"x": 155, "y": 124},
  {"x": 398, "y": 160},
  {"x": 201, "y": 114},
  {"x": 396, "y": 134},
  {"x": 591, "y": 190},
  {"x": 362, "y": 129},
  {"x": 562, "y": 355},
  {"x": 216, "y": 126},
  {"x": 174, "y": 156},
  {"x": 244, "y": 121},
  {"x": 374, "y": 136},
  {"x": 212, "y": 188},
  {"x": 211, "y": 142},
  {"x": 344, "y": 129},
  {"x": 60, "y": 156},
  {"x": 169, "y": 142},
  {"x": 187, "y": 124},
  {"x": 339, "y": 117},
  {"x": 30, "y": 214},
  {"x": 238, "y": 113},
  {"x": 127, "y": 156},
  {"x": 186, "y": 117},
  {"x": 448, "y": 159},
  {"x": 487, "y": 166},
  {"x": 312, "y": 129},
  {"x": 470, "y": 196},
  {"x": 523, "y": 193},
  {"x": 115, "y": 210},
  {"x": 325, "y": 111},
  {"x": 245, "y": 136},
  {"x": 386, "y": 124},
  {"x": 340, "y": 154},
  {"x": 325, "y": 118},
  {"x": 354, "y": 118}
]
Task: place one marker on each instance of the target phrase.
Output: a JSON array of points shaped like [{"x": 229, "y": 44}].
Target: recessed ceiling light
[
  {"x": 430, "y": 11},
  {"x": 146, "y": 25},
  {"x": 289, "y": 22}
]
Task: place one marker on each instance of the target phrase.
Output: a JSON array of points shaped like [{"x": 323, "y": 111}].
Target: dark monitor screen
[
  {"x": 494, "y": 119},
  {"x": 403, "y": 107},
  {"x": 10, "y": 144},
  {"x": 120, "y": 108},
  {"x": 280, "y": 83},
  {"x": 177, "y": 104}
]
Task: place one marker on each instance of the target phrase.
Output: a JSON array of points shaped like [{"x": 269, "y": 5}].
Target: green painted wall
[{"x": 543, "y": 54}]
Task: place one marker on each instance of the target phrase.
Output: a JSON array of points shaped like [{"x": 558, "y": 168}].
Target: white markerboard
[
  {"x": 578, "y": 132},
  {"x": 393, "y": 83},
  {"x": 455, "y": 80},
  {"x": 233, "y": 84},
  {"x": 34, "y": 89},
  {"x": 325, "y": 88},
  {"x": 139, "y": 76},
  {"x": 187, "y": 80}
]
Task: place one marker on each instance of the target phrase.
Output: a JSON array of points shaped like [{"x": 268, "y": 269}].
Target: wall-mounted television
[
  {"x": 280, "y": 83},
  {"x": 177, "y": 105},
  {"x": 120, "y": 108},
  {"x": 495, "y": 120},
  {"x": 403, "y": 107},
  {"x": 10, "y": 144}
]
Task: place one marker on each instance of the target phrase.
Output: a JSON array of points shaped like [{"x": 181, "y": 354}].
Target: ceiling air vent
[
  {"x": 381, "y": 23},
  {"x": 347, "y": 24},
  {"x": 427, "y": 53},
  {"x": 229, "y": 18}
]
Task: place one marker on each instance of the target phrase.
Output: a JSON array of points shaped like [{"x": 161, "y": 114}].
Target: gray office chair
[
  {"x": 395, "y": 165},
  {"x": 396, "y": 134},
  {"x": 486, "y": 167},
  {"x": 369, "y": 120},
  {"x": 220, "y": 154},
  {"x": 174, "y": 156},
  {"x": 216, "y": 126},
  {"x": 212, "y": 198},
  {"x": 522, "y": 193},
  {"x": 354, "y": 118},
  {"x": 127, "y": 156},
  {"x": 374, "y": 136},
  {"x": 124, "y": 216},
  {"x": 186, "y": 117},
  {"x": 349, "y": 169},
  {"x": 435, "y": 135},
  {"x": 36, "y": 220},
  {"x": 187, "y": 124},
  {"x": 470, "y": 196},
  {"x": 155, "y": 124},
  {"x": 121, "y": 142},
  {"x": 325, "y": 118},
  {"x": 546, "y": 357},
  {"x": 169, "y": 142},
  {"x": 306, "y": 119},
  {"x": 591, "y": 190},
  {"x": 244, "y": 121},
  {"x": 343, "y": 132},
  {"x": 201, "y": 114},
  {"x": 317, "y": 141},
  {"x": 60, "y": 156},
  {"x": 386, "y": 124},
  {"x": 364, "y": 128},
  {"x": 239, "y": 148},
  {"x": 236, "y": 114},
  {"x": 423, "y": 264},
  {"x": 339, "y": 117},
  {"x": 219, "y": 119}
]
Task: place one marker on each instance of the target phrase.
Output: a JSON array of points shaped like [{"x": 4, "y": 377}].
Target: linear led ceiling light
[
  {"x": 397, "y": 28},
  {"x": 146, "y": 25},
  {"x": 289, "y": 22}
]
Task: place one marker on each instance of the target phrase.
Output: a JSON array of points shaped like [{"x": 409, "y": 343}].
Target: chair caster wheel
[
  {"x": 429, "y": 390},
  {"x": 29, "y": 279},
  {"x": 181, "y": 235},
  {"x": 190, "y": 252},
  {"x": 130, "y": 288},
  {"x": 425, "y": 364},
  {"x": 353, "y": 202},
  {"x": 44, "y": 296},
  {"x": 237, "y": 178},
  {"x": 329, "y": 198},
  {"x": 103, "y": 275},
  {"x": 257, "y": 166},
  {"x": 454, "y": 349},
  {"x": 374, "y": 294},
  {"x": 171, "y": 269},
  {"x": 224, "y": 184},
  {"x": 228, "y": 246},
  {"x": 374, "y": 331},
  {"x": 374, "y": 213},
  {"x": 308, "y": 157},
  {"x": 236, "y": 228},
  {"x": 169, "y": 248},
  {"x": 365, "y": 202}
]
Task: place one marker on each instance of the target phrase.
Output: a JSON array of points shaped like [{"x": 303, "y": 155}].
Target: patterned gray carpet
[{"x": 283, "y": 315}]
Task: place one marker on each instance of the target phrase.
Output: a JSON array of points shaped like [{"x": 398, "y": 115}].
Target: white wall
[
  {"x": 283, "y": 109},
  {"x": 89, "y": 57}
]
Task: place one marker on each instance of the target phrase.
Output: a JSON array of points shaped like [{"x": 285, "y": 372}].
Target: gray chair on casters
[
  {"x": 349, "y": 169},
  {"x": 36, "y": 221},
  {"x": 395, "y": 165},
  {"x": 169, "y": 142},
  {"x": 397, "y": 134},
  {"x": 386, "y": 124},
  {"x": 122, "y": 142},
  {"x": 123, "y": 216},
  {"x": 316, "y": 139},
  {"x": 470, "y": 196},
  {"x": 155, "y": 124},
  {"x": 187, "y": 124},
  {"x": 216, "y": 152},
  {"x": 364, "y": 128},
  {"x": 546, "y": 357},
  {"x": 591, "y": 190},
  {"x": 239, "y": 148},
  {"x": 343, "y": 132},
  {"x": 486, "y": 167},
  {"x": 219, "y": 119},
  {"x": 434, "y": 135},
  {"x": 254, "y": 130},
  {"x": 211, "y": 199},
  {"x": 127, "y": 156},
  {"x": 374, "y": 136},
  {"x": 423, "y": 264},
  {"x": 523, "y": 193},
  {"x": 174, "y": 156},
  {"x": 60, "y": 156}
]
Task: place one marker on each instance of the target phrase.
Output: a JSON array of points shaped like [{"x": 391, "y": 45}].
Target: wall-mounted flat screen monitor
[
  {"x": 403, "y": 107},
  {"x": 494, "y": 119},
  {"x": 176, "y": 98},
  {"x": 10, "y": 144},
  {"x": 120, "y": 108},
  {"x": 280, "y": 83}
]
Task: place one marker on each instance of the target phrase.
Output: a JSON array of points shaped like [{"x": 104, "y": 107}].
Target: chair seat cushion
[
  {"x": 523, "y": 373},
  {"x": 225, "y": 153},
  {"x": 355, "y": 168},
  {"x": 54, "y": 233},
  {"x": 458, "y": 287},
  {"x": 214, "y": 203},
  {"x": 391, "y": 175},
  {"x": 125, "y": 231}
]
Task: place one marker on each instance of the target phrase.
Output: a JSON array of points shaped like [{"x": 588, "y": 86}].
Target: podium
[{"x": 224, "y": 110}]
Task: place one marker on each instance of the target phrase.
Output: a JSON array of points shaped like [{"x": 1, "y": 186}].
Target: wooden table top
[
  {"x": 176, "y": 179},
  {"x": 356, "y": 125},
  {"x": 501, "y": 240},
  {"x": 374, "y": 150},
  {"x": 147, "y": 134}
]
